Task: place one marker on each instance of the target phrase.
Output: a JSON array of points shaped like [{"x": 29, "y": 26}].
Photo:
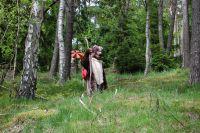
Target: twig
[
  {"x": 5, "y": 114},
  {"x": 167, "y": 109},
  {"x": 4, "y": 34},
  {"x": 53, "y": 3},
  {"x": 85, "y": 106},
  {"x": 16, "y": 42},
  {"x": 173, "y": 115}
]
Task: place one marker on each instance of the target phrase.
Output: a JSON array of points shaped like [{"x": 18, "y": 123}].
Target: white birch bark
[
  {"x": 148, "y": 50},
  {"x": 62, "y": 47},
  {"x": 29, "y": 76}
]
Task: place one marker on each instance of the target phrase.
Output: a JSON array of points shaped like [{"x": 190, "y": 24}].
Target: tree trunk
[
  {"x": 173, "y": 7},
  {"x": 185, "y": 41},
  {"x": 62, "y": 50},
  {"x": 16, "y": 42},
  {"x": 69, "y": 36},
  {"x": 160, "y": 24},
  {"x": 29, "y": 76},
  {"x": 195, "y": 43},
  {"x": 148, "y": 50},
  {"x": 54, "y": 61}
]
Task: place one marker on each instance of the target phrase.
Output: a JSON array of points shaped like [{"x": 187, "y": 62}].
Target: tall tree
[
  {"x": 195, "y": 43},
  {"x": 173, "y": 6},
  {"x": 148, "y": 50},
  {"x": 54, "y": 60},
  {"x": 185, "y": 38},
  {"x": 29, "y": 76},
  {"x": 69, "y": 36},
  {"x": 160, "y": 24},
  {"x": 62, "y": 47}
]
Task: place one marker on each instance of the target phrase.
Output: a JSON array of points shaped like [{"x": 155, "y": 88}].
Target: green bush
[
  {"x": 162, "y": 61},
  {"x": 130, "y": 59}
]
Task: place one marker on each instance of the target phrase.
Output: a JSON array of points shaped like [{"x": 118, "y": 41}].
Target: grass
[{"x": 160, "y": 102}]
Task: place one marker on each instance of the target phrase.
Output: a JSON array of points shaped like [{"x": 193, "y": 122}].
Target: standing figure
[{"x": 93, "y": 71}]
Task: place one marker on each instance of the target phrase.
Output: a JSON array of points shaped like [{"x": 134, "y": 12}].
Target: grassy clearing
[{"x": 160, "y": 102}]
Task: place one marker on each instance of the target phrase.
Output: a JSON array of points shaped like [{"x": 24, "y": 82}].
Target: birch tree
[
  {"x": 29, "y": 76},
  {"x": 62, "y": 47},
  {"x": 148, "y": 50}
]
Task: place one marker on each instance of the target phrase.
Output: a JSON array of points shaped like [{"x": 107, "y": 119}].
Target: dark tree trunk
[
  {"x": 54, "y": 61},
  {"x": 160, "y": 24},
  {"x": 29, "y": 76},
  {"x": 148, "y": 50},
  {"x": 69, "y": 36},
  {"x": 173, "y": 6},
  {"x": 195, "y": 43},
  {"x": 185, "y": 41}
]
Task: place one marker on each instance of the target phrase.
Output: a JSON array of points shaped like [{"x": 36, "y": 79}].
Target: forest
[{"x": 147, "y": 77}]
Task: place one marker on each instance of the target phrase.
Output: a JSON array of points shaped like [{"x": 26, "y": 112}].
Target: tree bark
[
  {"x": 29, "y": 76},
  {"x": 160, "y": 24},
  {"x": 148, "y": 50},
  {"x": 173, "y": 7},
  {"x": 69, "y": 36},
  {"x": 195, "y": 43},
  {"x": 185, "y": 41},
  {"x": 54, "y": 61},
  {"x": 62, "y": 47}
]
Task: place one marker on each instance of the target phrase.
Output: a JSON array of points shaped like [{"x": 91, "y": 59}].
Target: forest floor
[{"x": 160, "y": 102}]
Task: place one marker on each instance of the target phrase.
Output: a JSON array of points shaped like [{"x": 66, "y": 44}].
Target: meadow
[{"x": 159, "y": 102}]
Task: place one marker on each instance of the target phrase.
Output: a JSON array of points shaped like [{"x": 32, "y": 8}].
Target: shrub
[
  {"x": 162, "y": 61},
  {"x": 130, "y": 59}
]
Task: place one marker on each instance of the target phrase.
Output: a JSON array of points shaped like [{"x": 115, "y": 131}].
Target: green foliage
[
  {"x": 130, "y": 59},
  {"x": 9, "y": 14},
  {"x": 108, "y": 24},
  {"x": 161, "y": 61}
]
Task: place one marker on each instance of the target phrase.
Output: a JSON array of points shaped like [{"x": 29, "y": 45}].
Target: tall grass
[{"x": 160, "y": 102}]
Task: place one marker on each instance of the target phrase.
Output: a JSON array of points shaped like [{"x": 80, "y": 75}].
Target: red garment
[{"x": 84, "y": 73}]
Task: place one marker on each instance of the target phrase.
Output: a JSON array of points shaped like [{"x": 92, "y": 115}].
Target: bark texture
[
  {"x": 54, "y": 61},
  {"x": 148, "y": 50},
  {"x": 69, "y": 36},
  {"x": 62, "y": 47},
  {"x": 195, "y": 43},
  {"x": 185, "y": 39},
  {"x": 29, "y": 76}
]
